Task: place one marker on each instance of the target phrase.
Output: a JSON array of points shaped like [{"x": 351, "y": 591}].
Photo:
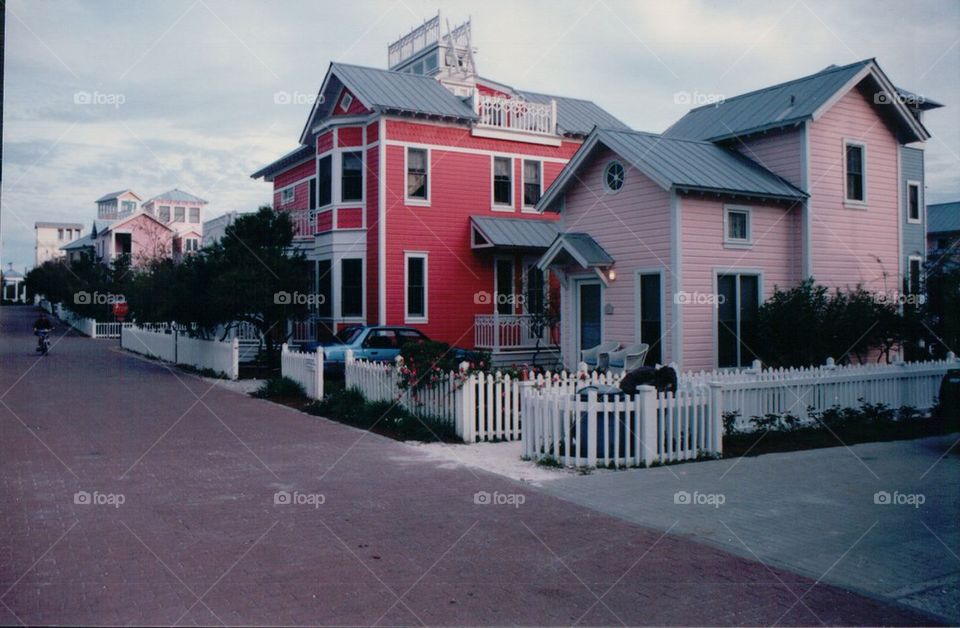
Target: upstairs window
[
  {"x": 913, "y": 202},
  {"x": 503, "y": 181},
  {"x": 164, "y": 213},
  {"x": 313, "y": 193},
  {"x": 128, "y": 207},
  {"x": 416, "y": 287},
  {"x": 286, "y": 196},
  {"x": 613, "y": 176},
  {"x": 736, "y": 225},
  {"x": 179, "y": 214},
  {"x": 324, "y": 181},
  {"x": 417, "y": 165},
  {"x": 351, "y": 177},
  {"x": 532, "y": 182},
  {"x": 195, "y": 214},
  {"x": 345, "y": 102},
  {"x": 856, "y": 173},
  {"x": 60, "y": 235}
]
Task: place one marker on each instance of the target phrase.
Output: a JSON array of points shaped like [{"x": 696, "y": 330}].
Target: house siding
[
  {"x": 373, "y": 232},
  {"x": 854, "y": 245},
  {"x": 780, "y": 152},
  {"x": 913, "y": 234},
  {"x": 634, "y": 227},
  {"x": 774, "y": 230}
]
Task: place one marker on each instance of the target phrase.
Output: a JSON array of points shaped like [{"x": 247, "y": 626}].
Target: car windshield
[{"x": 348, "y": 334}]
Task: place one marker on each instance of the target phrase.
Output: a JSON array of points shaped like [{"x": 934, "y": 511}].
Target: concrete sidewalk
[
  {"x": 812, "y": 512},
  {"x": 133, "y": 494}
]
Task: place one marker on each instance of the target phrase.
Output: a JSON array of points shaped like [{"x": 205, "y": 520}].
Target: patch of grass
[
  {"x": 204, "y": 372},
  {"x": 550, "y": 462},
  {"x": 280, "y": 389},
  {"x": 348, "y": 405}
]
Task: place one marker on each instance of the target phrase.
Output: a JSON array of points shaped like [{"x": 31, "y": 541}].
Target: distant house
[
  {"x": 215, "y": 228},
  {"x": 943, "y": 227},
  {"x": 182, "y": 212},
  {"x": 49, "y": 238},
  {"x": 12, "y": 287},
  {"x": 139, "y": 236},
  {"x": 674, "y": 240}
]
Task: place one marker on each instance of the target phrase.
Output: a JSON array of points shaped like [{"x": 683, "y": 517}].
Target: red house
[{"x": 413, "y": 191}]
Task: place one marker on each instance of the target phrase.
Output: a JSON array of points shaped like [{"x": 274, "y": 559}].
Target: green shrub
[
  {"x": 280, "y": 387},
  {"x": 384, "y": 417}
]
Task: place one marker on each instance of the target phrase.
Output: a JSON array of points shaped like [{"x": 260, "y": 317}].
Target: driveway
[
  {"x": 133, "y": 494},
  {"x": 880, "y": 518}
]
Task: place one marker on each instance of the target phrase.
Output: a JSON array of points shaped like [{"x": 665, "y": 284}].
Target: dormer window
[{"x": 345, "y": 102}]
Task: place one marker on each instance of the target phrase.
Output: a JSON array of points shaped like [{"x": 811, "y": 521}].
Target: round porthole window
[{"x": 613, "y": 176}]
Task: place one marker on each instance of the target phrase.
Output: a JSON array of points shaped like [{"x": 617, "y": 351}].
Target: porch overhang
[
  {"x": 576, "y": 249},
  {"x": 487, "y": 232}
]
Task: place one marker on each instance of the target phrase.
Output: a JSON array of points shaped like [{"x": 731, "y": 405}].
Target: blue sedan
[{"x": 377, "y": 343}]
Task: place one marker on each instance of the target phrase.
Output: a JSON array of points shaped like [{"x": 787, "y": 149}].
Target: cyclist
[{"x": 41, "y": 327}]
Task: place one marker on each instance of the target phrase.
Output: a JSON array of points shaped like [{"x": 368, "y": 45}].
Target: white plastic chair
[
  {"x": 628, "y": 358},
  {"x": 591, "y": 356}
]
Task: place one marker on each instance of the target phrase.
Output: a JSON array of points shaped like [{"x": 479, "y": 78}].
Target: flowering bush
[{"x": 426, "y": 364}]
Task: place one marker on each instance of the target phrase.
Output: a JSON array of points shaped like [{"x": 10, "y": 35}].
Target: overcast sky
[{"x": 187, "y": 88}]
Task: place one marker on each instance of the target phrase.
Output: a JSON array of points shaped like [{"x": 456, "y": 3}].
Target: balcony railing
[
  {"x": 517, "y": 115},
  {"x": 510, "y": 331}
]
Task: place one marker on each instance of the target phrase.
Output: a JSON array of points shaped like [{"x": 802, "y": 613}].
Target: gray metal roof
[
  {"x": 79, "y": 243},
  {"x": 516, "y": 232},
  {"x": 113, "y": 195},
  {"x": 587, "y": 248},
  {"x": 943, "y": 217},
  {"x": 176, "y": 195},
  {"x": 575, "y": 116},
  {"x": 692, "y": 165},
  {"x": 99, "y": 226},
  {"x": 57, "y": 225},
  {"x": 770, "y": 107},
  {"x": 385, "y": 90}
]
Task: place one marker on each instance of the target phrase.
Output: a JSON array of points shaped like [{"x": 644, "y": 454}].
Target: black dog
[{"x": 664, "y": 379}]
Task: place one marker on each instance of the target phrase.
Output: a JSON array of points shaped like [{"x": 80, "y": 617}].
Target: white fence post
[
  {"x": 318, "y": 368},
  {"x": 646, "y": 410},
  {"x": 235, "y": 352},
  {"x": 716, "y": 418}
]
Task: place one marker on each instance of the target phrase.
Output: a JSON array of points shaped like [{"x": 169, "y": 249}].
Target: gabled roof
[
  {"x": 113, "y": 195},
  {"x": 516, "y": 233},
  {"x": 99, "y": 226},
  {"x": 575, "y": 247},
  {"x": 177, "y": 196},
  {"x": 112, "y": 225},
  {"x": 301, "y": 153},
  {"x": 679, "y": 164},
  {"x": 790, "y": 103},
  {"x": 79, "y": 243},
  {"x": 943, "y": 217}
]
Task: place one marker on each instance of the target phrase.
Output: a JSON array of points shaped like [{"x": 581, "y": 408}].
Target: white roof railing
[{"x": 516, "y": 115}]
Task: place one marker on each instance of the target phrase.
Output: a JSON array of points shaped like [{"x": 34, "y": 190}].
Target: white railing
[
  {"x": 805, "y": 392},
  {"x": 178, "y": 348},
  {"x": 514, "y": 114},
  {"x": 155, "y": 344},
  {"x": 304, "y": 368},
  {"x": 110, "y": 330},
  {"x": 623, "y": 431},
  {"x": 221, "y": 357},
  {"x": 508, "y": 331},
  {"x": 415, "y": 41}
]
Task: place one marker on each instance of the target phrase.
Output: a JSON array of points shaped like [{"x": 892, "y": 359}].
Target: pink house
[{"x": 674, "y": 240}]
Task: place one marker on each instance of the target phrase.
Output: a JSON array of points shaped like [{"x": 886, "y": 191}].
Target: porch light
[{"x": 612, "y": 275}]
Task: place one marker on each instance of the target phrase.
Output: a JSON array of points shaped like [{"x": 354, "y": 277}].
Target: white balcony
[
  {"x": 511, "y": 114},
  {"x": 510, "y": 332}
]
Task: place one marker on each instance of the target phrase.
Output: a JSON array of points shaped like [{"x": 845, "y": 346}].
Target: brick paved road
[{"x": 198, "y": 538}]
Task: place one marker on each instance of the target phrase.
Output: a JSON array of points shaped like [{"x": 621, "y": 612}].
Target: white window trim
[
  {"x": 284, "y": 192},
  {"x": 408, "y": 200},
  {"x": 337, "y": 287},
  {"x": 503, "y": 207},
  {"x": 910, "y": 260},
  {"x": 919, "y": 219},
  {"x": 848, "y": 202},
  {"x": 736, "y": 242},
  {"x": 345, "y": 101},
  {"x": 338, "y": 164},
  {"x": 407, "y": 255},
  {"x": 603, "y": 177},
  {"x": 529, "y": 209}
]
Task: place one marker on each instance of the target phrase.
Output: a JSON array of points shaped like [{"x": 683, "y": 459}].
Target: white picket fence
[
  {"x": 809, "y": 391},
  {"x": 480, "y": 406},
  {"x": 638, "y": 430},
  {"x": 305, "y": 368},
  {"x": 178, "y": 348}
]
